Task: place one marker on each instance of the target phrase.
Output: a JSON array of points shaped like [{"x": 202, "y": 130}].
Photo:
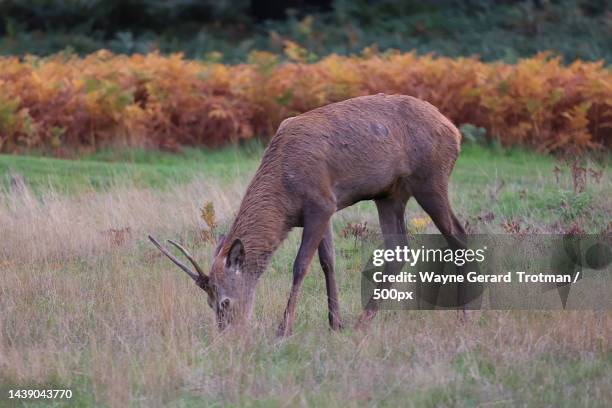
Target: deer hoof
[
  {"x": 283, "y": 332},
  {"x": 463, "y": 316},
  {"x": 336, "y": 326},
  {"x": 363, "y": 323}
]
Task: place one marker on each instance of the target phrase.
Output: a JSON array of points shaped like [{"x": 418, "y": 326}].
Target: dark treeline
[
  {"x": 110, "y": 16},
  {"x": 503, "y": 29}
]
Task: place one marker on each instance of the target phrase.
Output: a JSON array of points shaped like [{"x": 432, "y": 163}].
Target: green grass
[
  {"x": 153, "y": 168},
  {"x": 483, "y": 177},
  {"x": 140, "y": 168},
  {"x": 118, "y": 325}
]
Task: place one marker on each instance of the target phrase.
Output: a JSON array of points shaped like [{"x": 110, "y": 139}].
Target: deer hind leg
[
  {"x": 391, "y": 217},
  {"x": 326, "y": 258},
  {"x": 316, "y": 220},
  {"x": 433, "y": 198}
]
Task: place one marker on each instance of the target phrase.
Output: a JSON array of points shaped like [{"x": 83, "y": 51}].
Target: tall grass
[
  {"x": 55, "y": 227},
  {"x": 86, "y": 306}
]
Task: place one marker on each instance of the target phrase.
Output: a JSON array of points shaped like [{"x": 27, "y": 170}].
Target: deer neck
[{"x": 261, "y": 223}]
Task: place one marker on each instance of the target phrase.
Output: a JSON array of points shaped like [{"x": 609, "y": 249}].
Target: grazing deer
[{"x": 385, "y": 148}]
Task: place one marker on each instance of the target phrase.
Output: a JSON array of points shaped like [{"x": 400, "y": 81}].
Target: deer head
[{"x": 229, "y": 290}]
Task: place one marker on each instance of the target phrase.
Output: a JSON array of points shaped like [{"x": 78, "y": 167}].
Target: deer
[{"x": 385, "y": 148}]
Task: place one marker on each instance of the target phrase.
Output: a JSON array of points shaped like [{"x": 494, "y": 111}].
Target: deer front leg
[
  {"x": 315, "y": 224},
  {"x": 326, "y": 258}
]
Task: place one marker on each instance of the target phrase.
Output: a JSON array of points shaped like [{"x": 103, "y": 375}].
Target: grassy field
[{"x": 87, "y": 304}]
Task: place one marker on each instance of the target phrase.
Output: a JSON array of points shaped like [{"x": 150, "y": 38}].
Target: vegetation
[
  {"x": 495, "y": 30},
  {"x": 135, "y": 168},
  {"x": 295, "y": 56},
  {"x": 88, "y": 304},
  {"x": 554, "y": 195},
  {"x": 131, "y": 96},
  {"x": 62, "y": 102}
]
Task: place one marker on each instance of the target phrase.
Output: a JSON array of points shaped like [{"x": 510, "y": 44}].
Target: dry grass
[
  {"x": 103, "y": 313},
  {"x": 55, "y": 227}
]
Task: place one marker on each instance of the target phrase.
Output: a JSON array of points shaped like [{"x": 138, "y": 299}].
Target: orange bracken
[{"x": 154, "y": 100}]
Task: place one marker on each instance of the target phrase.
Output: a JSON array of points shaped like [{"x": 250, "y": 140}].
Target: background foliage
[
  {"x": 70, "y": 102},
  {"x": 506, "y": 30}
]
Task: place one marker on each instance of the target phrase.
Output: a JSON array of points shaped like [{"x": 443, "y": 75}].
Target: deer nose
[{"x": 225, "y": 303}]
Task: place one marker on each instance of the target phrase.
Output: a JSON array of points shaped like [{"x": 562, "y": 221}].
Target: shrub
[{"x": 67, "y": 101}]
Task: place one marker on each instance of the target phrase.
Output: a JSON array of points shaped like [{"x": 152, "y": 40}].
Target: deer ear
[
  {"x": 235, "y": 257},
  {"x": 220, "y": 242}
]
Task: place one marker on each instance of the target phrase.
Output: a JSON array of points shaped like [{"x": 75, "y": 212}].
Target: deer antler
[
  {"x": 188, "y": 255},
  {"x": 200, "y": 277}
]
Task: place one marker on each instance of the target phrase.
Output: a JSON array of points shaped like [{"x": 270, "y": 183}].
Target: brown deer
[{"x": 385, "y": 148}]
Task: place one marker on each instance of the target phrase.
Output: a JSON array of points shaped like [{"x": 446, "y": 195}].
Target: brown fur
[
  {"x": 341, "y": 153},
  {"x": 385, "y": 148},
  {"x": 364, "y": 148}
]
